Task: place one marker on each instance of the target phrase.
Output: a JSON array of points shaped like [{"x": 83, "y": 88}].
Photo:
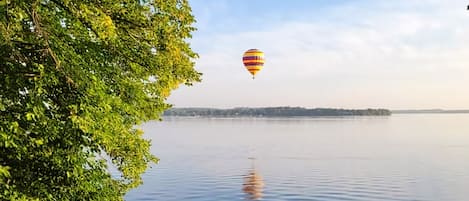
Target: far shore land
[
  {"x": 296, "y": 112},
  {"x": 274, "y": 112},
  {"x": 430, "y": 111}
]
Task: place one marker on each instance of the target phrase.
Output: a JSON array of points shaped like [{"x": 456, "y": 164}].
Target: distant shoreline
[
  {"x": 430, "y": 111},
  {"x": 274, "y": 112}
]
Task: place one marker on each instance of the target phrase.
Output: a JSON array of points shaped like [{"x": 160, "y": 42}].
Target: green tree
[{"x": 76, "y": 76}]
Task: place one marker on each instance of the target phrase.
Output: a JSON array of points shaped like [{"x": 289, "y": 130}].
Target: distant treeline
[{"x": 274, "y": 112}]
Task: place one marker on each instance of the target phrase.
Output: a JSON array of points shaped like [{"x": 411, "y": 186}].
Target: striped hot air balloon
[{"x": 253, "y": 60}]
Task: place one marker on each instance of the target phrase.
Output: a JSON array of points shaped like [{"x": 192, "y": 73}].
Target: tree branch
[{"x": 38, "y": 29}]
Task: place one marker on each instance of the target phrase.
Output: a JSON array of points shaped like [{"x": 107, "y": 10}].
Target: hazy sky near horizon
[{"x": 399, "y": 54}]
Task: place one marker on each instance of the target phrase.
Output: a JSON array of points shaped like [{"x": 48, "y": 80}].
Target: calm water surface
[{"x": 412, "y": 157}]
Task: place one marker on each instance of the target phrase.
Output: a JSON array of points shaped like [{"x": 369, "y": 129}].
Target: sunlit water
[{"x": 412, "y": 157}]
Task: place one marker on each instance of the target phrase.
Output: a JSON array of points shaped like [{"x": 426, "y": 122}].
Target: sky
[{"x": 395, "y": 54}]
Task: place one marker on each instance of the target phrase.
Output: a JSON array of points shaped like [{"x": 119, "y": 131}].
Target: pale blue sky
[{"x": 395, "y": 54}]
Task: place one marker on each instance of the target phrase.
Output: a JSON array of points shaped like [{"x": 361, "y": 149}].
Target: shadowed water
[{"x": 403, "y": 158}]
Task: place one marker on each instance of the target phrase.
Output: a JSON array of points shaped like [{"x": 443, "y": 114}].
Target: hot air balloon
[{"x": 253, "y": 60}]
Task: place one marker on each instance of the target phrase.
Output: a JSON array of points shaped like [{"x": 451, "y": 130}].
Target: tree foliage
[{"x": 76, "y": 76}]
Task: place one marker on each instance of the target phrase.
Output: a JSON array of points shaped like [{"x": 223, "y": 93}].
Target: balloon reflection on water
[{"x": 253, "y": 184}]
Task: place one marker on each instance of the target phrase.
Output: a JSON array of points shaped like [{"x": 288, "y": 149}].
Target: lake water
[{"x": 411, "y": 157}]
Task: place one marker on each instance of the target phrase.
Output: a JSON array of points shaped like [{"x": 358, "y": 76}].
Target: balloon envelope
[{"x": 253, "y": 60}]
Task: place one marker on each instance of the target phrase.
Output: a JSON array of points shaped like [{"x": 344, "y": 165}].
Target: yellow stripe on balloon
[
  {"x": 250, "y": 54},
  {"x": 254, "y": 67}
]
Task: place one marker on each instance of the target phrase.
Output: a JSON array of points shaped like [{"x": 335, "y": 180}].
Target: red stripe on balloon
[
  {"x": 253, "y": 58},
  {"x": 254, "y": 63}
]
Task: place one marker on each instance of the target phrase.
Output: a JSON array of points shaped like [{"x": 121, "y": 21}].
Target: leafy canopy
[{"x": 76, "y": 76}]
